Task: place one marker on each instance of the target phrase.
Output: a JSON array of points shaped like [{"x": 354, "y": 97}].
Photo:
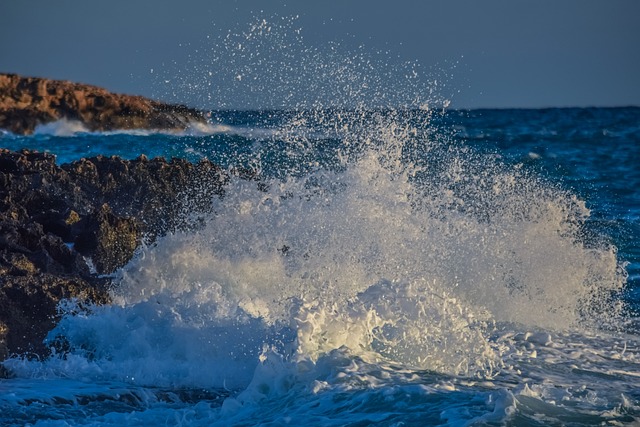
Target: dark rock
[
  {"x": 108, "y": 239},
  {"x": 26, "y": 102},
  {"x": 63, "y": 227},
  {"x": 28, "y": 304}
]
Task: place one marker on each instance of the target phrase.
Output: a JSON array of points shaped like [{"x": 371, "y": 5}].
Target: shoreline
[
  {"x": 27, "y": 102},
  {"x": 65, "y": 228}
]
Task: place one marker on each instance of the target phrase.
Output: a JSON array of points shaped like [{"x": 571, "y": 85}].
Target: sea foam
[
  {"x": 395, "y": 260},
  {"x": 376, "y": 266}
]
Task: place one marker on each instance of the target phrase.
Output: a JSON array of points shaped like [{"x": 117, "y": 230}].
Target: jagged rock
[
  {"x": 109, "y": 240},
  {"x": 28, "y": 305},
  {"x": 26, "y": 102},
  {"x": 57, "y": 220}
]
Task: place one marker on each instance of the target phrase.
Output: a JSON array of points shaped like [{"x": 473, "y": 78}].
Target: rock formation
[
  {"x": 63, "y": 227},
  {"x": 26, "y": 102}
]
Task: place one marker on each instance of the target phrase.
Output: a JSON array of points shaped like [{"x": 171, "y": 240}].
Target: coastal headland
[
  {"x": 65, "y": 228},
  {"x": 26, "y": 102}
]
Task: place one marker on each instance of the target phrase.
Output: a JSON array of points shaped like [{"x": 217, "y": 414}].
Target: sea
[
  {"x": 393, "y": 262},
  {"x": 391, "y": 267}
]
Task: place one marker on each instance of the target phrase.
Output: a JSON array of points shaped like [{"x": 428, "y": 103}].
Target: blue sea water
[{"x": 394, "y": 268}]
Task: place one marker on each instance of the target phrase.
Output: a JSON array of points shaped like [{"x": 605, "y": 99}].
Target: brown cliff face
[{"x": 26, "y": 102}]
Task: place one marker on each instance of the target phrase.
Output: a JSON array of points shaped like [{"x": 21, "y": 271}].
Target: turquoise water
[{"x": 441, "y": 268}]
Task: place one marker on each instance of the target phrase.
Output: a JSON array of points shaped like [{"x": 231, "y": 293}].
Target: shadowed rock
[
  {"x": 63, "y": 227},
  {"x": 26, "y": 102}
]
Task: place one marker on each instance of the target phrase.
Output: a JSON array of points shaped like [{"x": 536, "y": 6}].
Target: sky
[{"x": 484, "y": 54}]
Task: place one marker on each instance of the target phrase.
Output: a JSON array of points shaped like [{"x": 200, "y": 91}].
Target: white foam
[
  {"x": 63, "y": 127},
  {"x": 369, "y": 259},
  {"x": 404, "y": 265}
]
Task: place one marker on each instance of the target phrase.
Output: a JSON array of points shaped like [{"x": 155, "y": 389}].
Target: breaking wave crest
[
  {"x": 398, "y": 248},
  {"x": 370, "y": 244}
]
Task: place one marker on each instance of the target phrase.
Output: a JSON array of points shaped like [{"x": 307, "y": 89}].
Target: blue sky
[{"x": 490, "y": 53}]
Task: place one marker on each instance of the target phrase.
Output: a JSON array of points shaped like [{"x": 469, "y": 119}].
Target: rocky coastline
[
  {"x": 64, "y": 228},
  {"x": 26, "y": 102}
]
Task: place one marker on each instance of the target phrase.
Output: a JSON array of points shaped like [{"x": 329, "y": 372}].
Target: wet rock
[
  {"x": 28, "y": 306},
  {"x": 26, "y": 102},
  {"x": 63, "y": 227},
  {"x": 108, "y": 240}
]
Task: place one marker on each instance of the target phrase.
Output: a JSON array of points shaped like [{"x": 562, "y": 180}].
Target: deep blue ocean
[{"x": 394, "y": 267}]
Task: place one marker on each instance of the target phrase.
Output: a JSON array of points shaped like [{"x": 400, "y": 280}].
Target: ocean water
[
  {"x": 398, "y": 264},
  {"x": 394, "y": 267}
]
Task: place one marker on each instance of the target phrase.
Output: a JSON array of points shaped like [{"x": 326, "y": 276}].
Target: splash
[
  {"x": 61, "y": 127},
  {"x": 390, "y": 255},
  {"x": 68, "y": 128},
  {"x": 371, "y": 233},
  {"x": 270, "y": 66}
]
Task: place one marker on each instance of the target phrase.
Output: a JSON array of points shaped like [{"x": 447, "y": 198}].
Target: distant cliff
[{"x": 26, "y": 102}]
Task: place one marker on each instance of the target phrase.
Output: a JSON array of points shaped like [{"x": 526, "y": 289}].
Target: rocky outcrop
[
  {"x": 62, "y": 228},
  {"x": 26, "y": 102}
]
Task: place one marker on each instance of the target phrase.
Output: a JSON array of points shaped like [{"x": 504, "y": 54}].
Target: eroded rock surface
[
  {"x": 26, "y": 102},
  {"x": 63, "y": 227}
]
